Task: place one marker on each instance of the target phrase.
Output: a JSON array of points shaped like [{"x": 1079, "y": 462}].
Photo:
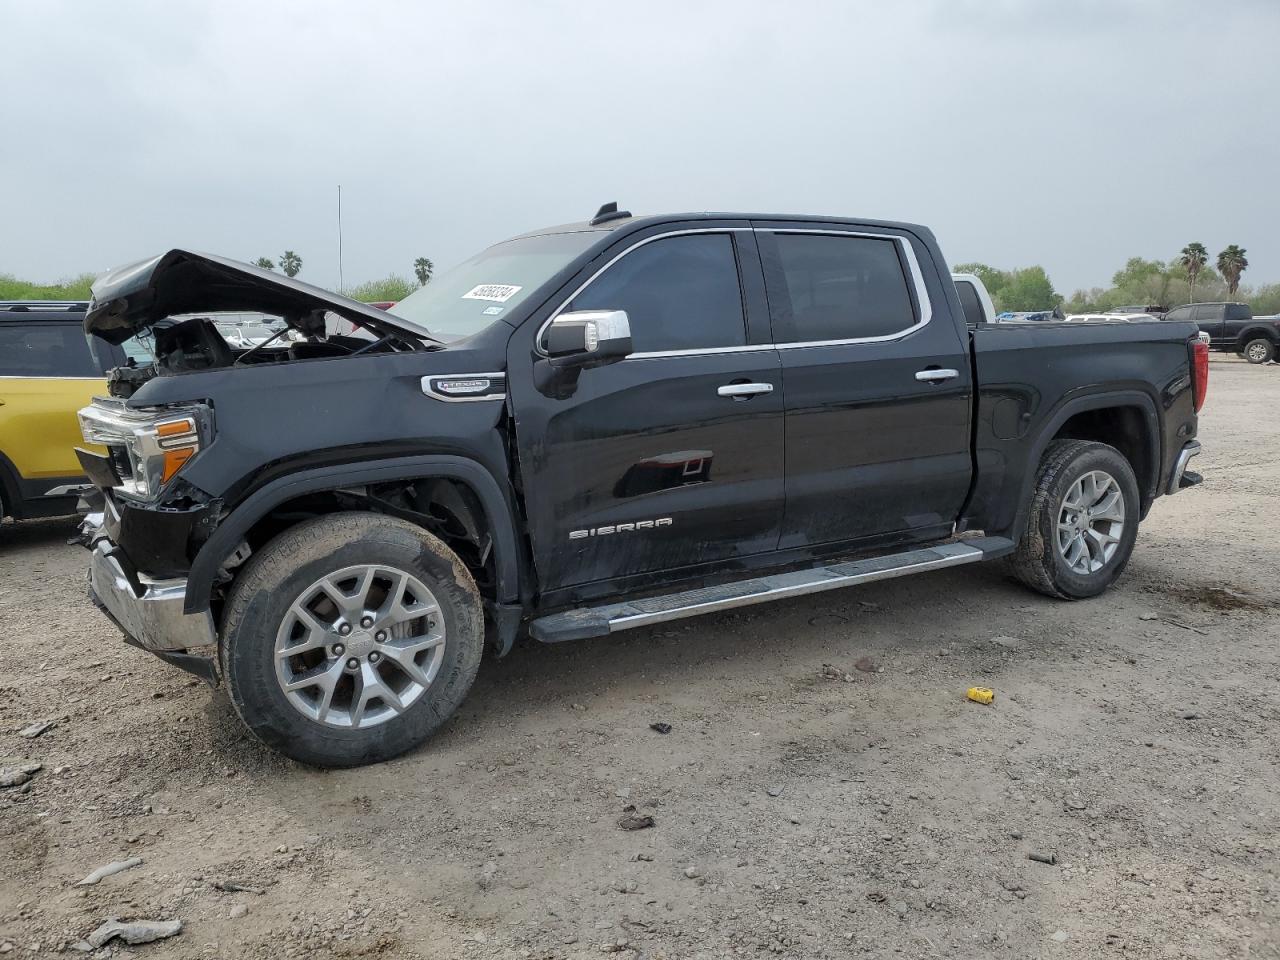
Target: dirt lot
[{"x": 876, "y": 813}]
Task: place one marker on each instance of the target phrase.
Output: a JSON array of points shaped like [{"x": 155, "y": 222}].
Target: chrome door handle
[
  {"x": 744, "y": 389},
  {"x": 936, "y": 375}
]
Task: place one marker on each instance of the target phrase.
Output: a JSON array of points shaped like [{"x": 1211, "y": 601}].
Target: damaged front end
[
  {"x": 138, "y": 499},
  {"x": 144, "y": 520},
  {"x": 175, "y": 305}
]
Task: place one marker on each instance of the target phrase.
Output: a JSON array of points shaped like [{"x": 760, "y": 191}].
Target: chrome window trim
[
  {"x": 430, "y": 391},
  {"x": 913, "y": 268},
  {"x": 699, "y": 351},
  {"x": 537, "y": 343},
  {"x": 904, "y": 246}
]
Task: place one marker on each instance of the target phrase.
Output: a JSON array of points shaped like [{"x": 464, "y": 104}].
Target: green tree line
[
  {"x": 392, "y": 287},
  {"x": 11, "y": 288},
  {"x": 1186, "y": 278},
  {"x": 1189, "y": 277}
]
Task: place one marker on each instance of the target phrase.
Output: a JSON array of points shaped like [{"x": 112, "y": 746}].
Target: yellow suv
[{"x": 49, "y": 369}]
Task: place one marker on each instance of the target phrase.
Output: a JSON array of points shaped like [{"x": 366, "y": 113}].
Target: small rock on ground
[{"x": 135, "y": 932}]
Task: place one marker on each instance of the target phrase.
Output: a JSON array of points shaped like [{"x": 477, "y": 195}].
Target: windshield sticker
[
  {"x": 497, "y": 292},
  {"x": 493, "y": 311}
]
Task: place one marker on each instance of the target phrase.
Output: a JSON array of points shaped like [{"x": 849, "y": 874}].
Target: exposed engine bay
[
  {"x": 188, "y": 344},
  {"x": 167, "y": 304}
]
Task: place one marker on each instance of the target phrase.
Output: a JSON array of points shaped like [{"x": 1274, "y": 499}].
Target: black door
[
  {"x": 1211, "y": 319},
  {"x": 878, "y": 389},
  {"x": 672, "y": 457}
]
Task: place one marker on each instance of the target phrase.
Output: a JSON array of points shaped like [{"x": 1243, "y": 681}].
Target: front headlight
[{"x": 147, "y": 446}]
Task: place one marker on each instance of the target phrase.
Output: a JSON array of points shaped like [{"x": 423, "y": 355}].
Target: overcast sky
[{"x": 1070, "y": 134}]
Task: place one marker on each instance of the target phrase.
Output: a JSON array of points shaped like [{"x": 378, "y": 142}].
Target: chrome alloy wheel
[
  {"x": 1256, "y": 352},
  {"x": 1091, "y": 522},
  {"x": 359, "y": 646}
]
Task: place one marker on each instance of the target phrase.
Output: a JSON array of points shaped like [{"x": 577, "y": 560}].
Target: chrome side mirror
[
  {"x": 588, "y": 338},
  {"x": 577, "y": 341}
]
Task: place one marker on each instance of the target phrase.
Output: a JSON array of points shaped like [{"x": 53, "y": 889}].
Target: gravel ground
[{"x": 825, "y": 790}]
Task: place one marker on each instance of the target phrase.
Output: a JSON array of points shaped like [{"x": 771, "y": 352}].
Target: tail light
[{"x": 1199, "y": 370}]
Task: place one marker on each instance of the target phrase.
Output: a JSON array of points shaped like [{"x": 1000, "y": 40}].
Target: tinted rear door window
[
  {"x": 680, "y": 293},
  {"x": 839, "y": 288},
  {"x": 45, "y": 350}
]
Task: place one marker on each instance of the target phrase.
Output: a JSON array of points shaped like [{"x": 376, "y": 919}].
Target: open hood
[{"x": 132, "y": 298}]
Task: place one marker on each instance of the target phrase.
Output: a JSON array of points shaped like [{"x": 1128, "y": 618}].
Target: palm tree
[
  {"x": 423, "y": 268},
  {"x": 1192, "y": 259},
  {"x": 1232, "y": 263},
  {"x": 265, "y": 263},
  {"x": 290, "y": 263}
]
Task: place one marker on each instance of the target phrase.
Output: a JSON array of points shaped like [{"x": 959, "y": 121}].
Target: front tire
[
  {"x": 1082, "y": 521},
  {"x": 1259, "y": 351},
  {"x": 350, "y": 639}
]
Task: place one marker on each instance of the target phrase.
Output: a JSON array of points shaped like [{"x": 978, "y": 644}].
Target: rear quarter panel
[{"x": 1032, "y": 377}]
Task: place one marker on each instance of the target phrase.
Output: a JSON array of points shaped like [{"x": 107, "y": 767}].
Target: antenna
[
  {"x": 341, "y": 283},
  {"x": 607, "y": 212}
]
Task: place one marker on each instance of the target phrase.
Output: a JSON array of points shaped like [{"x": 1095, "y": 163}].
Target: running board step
[{"x": 599, "y": 621}]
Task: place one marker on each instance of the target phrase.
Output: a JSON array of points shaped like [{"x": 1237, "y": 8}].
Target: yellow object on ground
[{"x": 981, "y": 694}]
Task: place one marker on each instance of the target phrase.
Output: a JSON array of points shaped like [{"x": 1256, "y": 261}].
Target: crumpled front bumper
[{"x": 148, "y": 610}]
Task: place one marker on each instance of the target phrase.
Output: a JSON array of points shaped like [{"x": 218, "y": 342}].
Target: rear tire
[
  {"x": 391, "y": 631},
  {"x": 1259, "y": 350},
  {"x": 1082, "y": 521}
]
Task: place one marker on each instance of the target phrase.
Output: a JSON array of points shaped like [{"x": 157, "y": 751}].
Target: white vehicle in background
[
  {"x": 244, "y": 336},
  {"x": 974, "y": 298},
  {"x": 244, "y": 330},
  {"x": 978, "y": 308},
  {"x": 1117, "y": 317}
]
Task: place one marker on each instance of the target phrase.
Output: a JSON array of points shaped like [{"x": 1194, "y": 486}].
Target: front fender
[{"x": 496, "y": 500}]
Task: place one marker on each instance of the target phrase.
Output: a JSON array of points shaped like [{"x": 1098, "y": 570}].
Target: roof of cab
[
  {"x": 630, "y": 223},
  {"x": 25, "y": 311}
]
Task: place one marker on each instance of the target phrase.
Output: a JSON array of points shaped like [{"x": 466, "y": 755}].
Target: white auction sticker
[{"x": 497, "y": 292}]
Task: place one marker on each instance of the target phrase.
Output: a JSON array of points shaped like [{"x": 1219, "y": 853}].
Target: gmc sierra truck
[{"x": 586, "y": 429}]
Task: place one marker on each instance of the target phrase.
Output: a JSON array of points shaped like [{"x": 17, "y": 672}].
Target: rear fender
[
  {"x": 1262, "y": 332},
  {"x": 1100, "y": 401}
]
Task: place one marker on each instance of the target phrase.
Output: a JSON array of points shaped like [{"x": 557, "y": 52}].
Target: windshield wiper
[{"x": 252, "y": 350}]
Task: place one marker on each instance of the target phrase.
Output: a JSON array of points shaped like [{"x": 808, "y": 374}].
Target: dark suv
[{"x": 1232, "y": 328}]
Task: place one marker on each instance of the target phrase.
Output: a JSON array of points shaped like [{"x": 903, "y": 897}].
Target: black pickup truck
[
  {"x": 1232, "y": 328},
  {"x": 585, "y": 429}
]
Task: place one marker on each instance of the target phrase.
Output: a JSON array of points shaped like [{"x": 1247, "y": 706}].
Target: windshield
[{"x": 473, "y": 295}]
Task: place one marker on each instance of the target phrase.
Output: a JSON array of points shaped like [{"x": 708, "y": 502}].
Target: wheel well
[
  {"x": 1124, "y": 428},
  {"x": 447, "y": 508},
  {"x": 1258, "y": 333}
]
